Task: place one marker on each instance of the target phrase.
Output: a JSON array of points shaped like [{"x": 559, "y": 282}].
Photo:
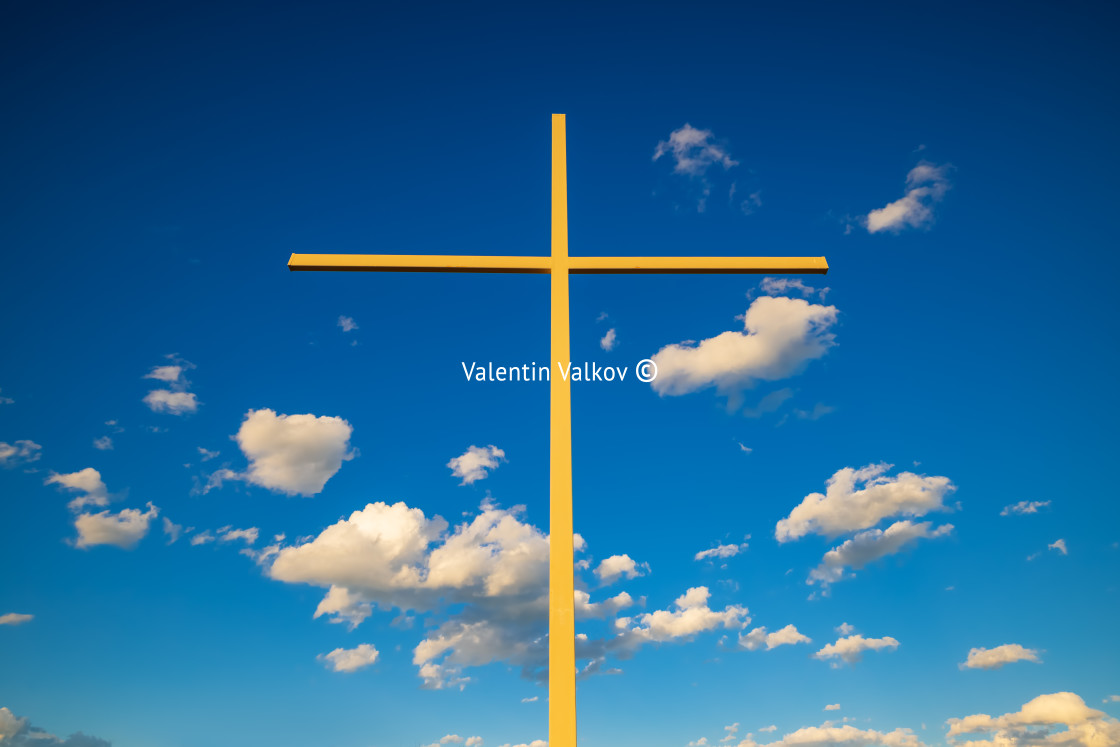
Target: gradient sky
[{"x": 221, "y": 482}]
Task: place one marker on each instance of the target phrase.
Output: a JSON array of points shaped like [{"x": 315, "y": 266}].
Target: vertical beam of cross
[
  {"x": 561, "y": 569},
  {"x": 561, "y": 572}
]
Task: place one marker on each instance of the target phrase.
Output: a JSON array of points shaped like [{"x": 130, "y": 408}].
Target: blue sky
[{"x": 313, "y": 444}]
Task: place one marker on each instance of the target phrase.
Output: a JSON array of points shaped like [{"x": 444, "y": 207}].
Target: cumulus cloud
[
  {"x": 87, "y": 482},
  {"x": 757, "y": 638},
  {"x": 20, "y": 453},
  {"x": 609, "y": 340},
  {"x": 123, "y": 529},
  {"x": 15, "y": 618},
  {"x": 832, "y": 707},
  {"x": 619, "y": 566},
  {"x": 860, "y": 498},
  {"x": 291, "y": 454},
  {"x": 693, "y": 151},
  {"x": 829, "y": 734},
  {"x": 175, "y": 403},
  {"x": 350, "y": 659},
  {"x": 851, "y": 648},
  {"x": 1024, "y": 507},
  {"x": 534, "y": 743},
  {"x": 347, "y": 324},
  {"x": 994, "y": 658},
  {"x": 472, "y": 465},
  {"x": 926, "y": 185},
  {"x": 782, "y": 286},
  {"x": 870, "y": 545},
  {"x": 721, "y": 551},
  {"x": 1056, "y": 719},
  {"x": 18, "y": 732},
  {"x": 492, "y": 570},
  {"x": 781, "y": 336}
]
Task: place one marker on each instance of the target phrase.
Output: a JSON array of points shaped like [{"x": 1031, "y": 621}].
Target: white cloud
[
  {"x": 757, "y": 638},
  {"x": 832, "y": 707},
  {"x": 533, "y": 699},
  {"x": 860, "y": 498},
  {"x": 18, "y": 732},
  {"x": 781, "y": 335},
  {"x": 701, "y": 742},
  {"x": 721, "y": 551},
  {"x": 6, "y": 401},
  {"x": 1112, "y": 699},
  {"x": 781, "y": 286},
  {"x": 1024, "y": 507},
  {"x": 584, "y": 607},
  {"x": 15, "y": 618},
  {"x": 292, "y": 454},
  {"x": 85, "y": 481},
  {"x": 18, "y": 454},
  {"x": 926, "y": 185},
  {"x": 829, "y": 734},
  {"x": 206, "y": 454},
  {"x": 851, "y": 648},
  {"x": 609, "y": 340},
  {"x": 769, "y": 729},
  {"x": 691, "y": 616},
  {"x": 473, "y": 741},
  {"x": 350, "y": 659},
  {"x": 123, "y": 529},
  {"x": 845, "y": 629},
  {"x": 202, "y": 538},
  {"x": 347, "y": 324},
  {"x": 693, "y": 151},
  {"x": 994, "y": 658},
  {"x": 619, "y": 566},
  {"x": 169, "y": 374},
  {"x": 732, "y": 730},
  {"x": 870, "y": 545},
  {"x": 105, "y": 443},
  {"x": 227, "y": 534},
  {"x": 1035, "y": 724},
  {"x": 1059, "y": 545},
  {"x": 172, "y": 530},
  {"x": 472, "y": 464},
  {"x": 175, "y": 403},
  {"x": 534, "y": 743}
]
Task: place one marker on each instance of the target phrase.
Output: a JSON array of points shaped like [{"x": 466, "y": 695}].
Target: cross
[{"x": 561, "y": 572}]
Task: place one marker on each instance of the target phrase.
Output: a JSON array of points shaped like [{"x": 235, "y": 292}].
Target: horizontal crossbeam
[{"x": 574, "y": 265}]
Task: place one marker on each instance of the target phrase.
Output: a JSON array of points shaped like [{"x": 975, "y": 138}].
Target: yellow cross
[{"x": 561, "y": 590}]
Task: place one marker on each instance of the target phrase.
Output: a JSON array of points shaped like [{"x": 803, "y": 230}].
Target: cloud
[
  {"x": 1059, "y": 545},
  {"x": 994, "y": 658},
  {"x": 472, "y": 464},
  {"x": 206, "y": 454},
  {"x": 1035, "y": 724},
  {"x": 845, "y": 629},
  {"x": 172, "y": 530},
  {"x": 124, "y": 529},
  {"x": 1112, "y": 699},
  {"x": 533, "y": 699},
  {"x": 6, "y": 401},
  {"x": 534, "y": 743},
  {"x": 169, "y": 374},
  {"x": 291, "y": 454},
  {"x": 926, "y": 185},
  {"x": 85, "y": 481},
  {"x": 18, "y": 732},
  {"x": 619, "y": 566},
  {"x": 609, "y": 340},
  {"x": 828, "y": 734},
  {"x": 350, "y": 659},
  {"x": 691, "y": 616},
  {"x": 15, "y": 618},
  {"x": 757, "y": 638},
  {"x": 832, "y": 707},
  {"x": 819, "y": 411},
  {"x": 772, "y": 402},
  {"x": 202, "y": 538},
  {"x": 175, "y": 403},
  {"x": 851, "y": 648},
  {"x": 781, "y": 335},
  {"x": 105, "y": 443},
  {"x": 1024, "y": 507},
  {"x": 870, "y": 545},
  {"x": 732, "y": 730},
  {"x": 860, "y": 498},
  {"x": 769, "y": 729},
  {"x": 693, "y": 151},
  {"x": 584, "y": 607},
  {"x": 227, "y": 534},
  {"x": 20, "y": 453},
  {"x": 721, "y": 551},
  {"x": 701, "y": 742},
  {"x": 347, "y": 324},
  {"x": 781, "y": 286}
]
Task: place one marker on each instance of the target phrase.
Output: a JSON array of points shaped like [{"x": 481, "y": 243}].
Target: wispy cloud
[{"x": 926, "y": 185}]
